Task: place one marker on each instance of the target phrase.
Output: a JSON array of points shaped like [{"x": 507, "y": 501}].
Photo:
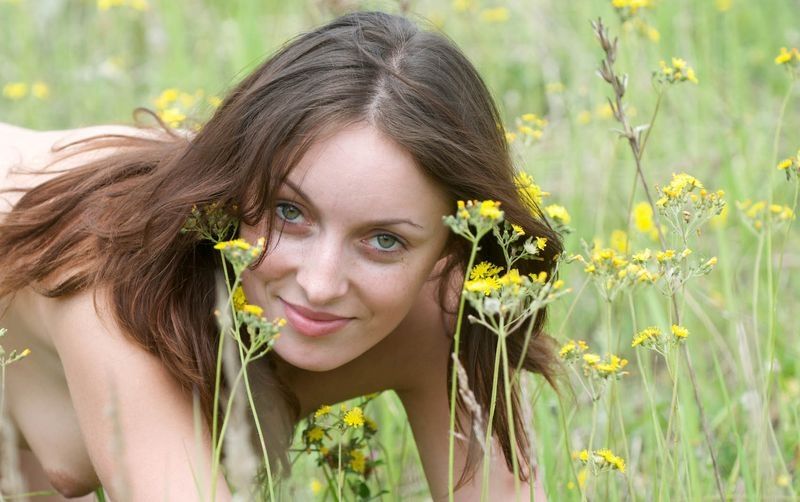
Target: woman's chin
[{"x": 304, "y": 360}]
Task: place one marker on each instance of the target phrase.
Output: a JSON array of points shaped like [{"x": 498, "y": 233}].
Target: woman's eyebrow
[{"x": 374, "y": 223}]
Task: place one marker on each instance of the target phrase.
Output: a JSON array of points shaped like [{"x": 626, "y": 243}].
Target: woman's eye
[
  {"x": 289, "y": 212},
  {"x": 386, "y": 242}
]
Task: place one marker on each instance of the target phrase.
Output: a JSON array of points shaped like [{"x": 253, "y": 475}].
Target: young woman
[{"x": 344, "y": 150}]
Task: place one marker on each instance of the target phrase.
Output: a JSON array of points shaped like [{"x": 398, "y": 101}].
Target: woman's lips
[{"x": 311, "y": 323}]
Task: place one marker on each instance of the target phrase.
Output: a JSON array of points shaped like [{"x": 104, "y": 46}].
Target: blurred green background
[{"x": 70, "y": 63}]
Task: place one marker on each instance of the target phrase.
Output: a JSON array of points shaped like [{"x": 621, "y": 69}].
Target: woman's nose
[{"x": 321, "y": 272}]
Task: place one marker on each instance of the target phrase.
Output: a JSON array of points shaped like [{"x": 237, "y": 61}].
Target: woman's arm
[
  {"x": 429, "y": 416},
  {"x": 136, "y": 421}
]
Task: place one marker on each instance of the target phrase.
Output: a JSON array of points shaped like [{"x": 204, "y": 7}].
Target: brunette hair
[{"x": 116, "y": 221}]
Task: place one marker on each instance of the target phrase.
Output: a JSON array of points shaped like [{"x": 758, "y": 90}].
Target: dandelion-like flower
[
  {"x": 788, "y": 57},
  {"x": 354, "y": 417}
]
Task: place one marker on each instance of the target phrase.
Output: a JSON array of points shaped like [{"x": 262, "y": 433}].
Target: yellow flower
[
  {"x": 541, "y": 242},
  {"x": 642, "y": 256},
  {"x": 584, "y": 117},
  {"x": 235, "y": 243},
  {"x": 512, "y": 277},
  {"x": 518, "y": 229},
  {"x": 354, "y": 417},
  {"x": 490, "y": 209},
  {"x": 582, "y": 455},
  {"x": 462, "y": 5},
  {"x": 495, "y": 15},
  {"x": 316, "y": 487},
  {"x": 357, "y": 461},
  {"x": 646, "y": 336},
  {"x": 173, "y": 117},
  {"x": 253, "y": 309},
  {"x": 558, "y": 213},
  {"x": 528, "y": 189},
  {"x": 484, "y": 269},
  {"x": 785, "y": 163},
  {"x": 572, "y": 348},
  {"x": 680, "y": 332},
  {"x": 612, "y": 460},
  {"x": 510, "y": 137},
  {"x": 322, "y": 411},
  {"x": 25, "y": 353},
  {"x": 214, "y": 101},
  {"x": 166, "y": 98},
  {"x": 486, "y": 285},
  {"x": 15, "y": 90},
  {"x": 723, "y": 5},
  {"x": 591, "y": 359},
  {"x": 40, "y": 90},
  {"x": 613, "y": 366},
  {"x": 315, "y": 434},
  {"x": 239, "y": 300},
  {"x": 786, "y": 56}
]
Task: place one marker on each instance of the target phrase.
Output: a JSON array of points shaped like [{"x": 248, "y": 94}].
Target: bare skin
[{"x": 82, "y": 366}]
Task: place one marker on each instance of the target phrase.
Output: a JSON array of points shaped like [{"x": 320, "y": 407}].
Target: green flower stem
[
  {"x": 772, "y": 294},
  {"x": 568, "y": 445},
  {"x": 488, "y": 438},
  {"x": 510, "y": 415},
  {"x": 339, "y": 471},
  {"x": 454, "y": 380}
]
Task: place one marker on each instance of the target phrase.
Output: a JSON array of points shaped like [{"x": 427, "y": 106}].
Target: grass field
[{"x": 713, "y": 414}]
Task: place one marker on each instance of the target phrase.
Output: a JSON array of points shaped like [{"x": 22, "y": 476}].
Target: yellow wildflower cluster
[
  {"x": 599, "y": 460},
  {"x": 174, "y": 106},
  {"x": 686, "y": 204},
  {"x": 529, "y": 190},
  {"x": 655, "y": 339},
  {"x": 18, "y": 90},
  {"x": 677, "y": 71},
  {"x": 629, "y": 8},
  {"x": 790, "y": 165},
  {"x": 755, "y": 213},
  {"x": 790, "y": 58},
  {"x": 240, "y": 253},
  {"x": 604, "y": 368},
  {"x": 530, "y": 127},
  {"x": 572, "y": 350},
  {"x": 560, "y": 217},
  {"x": 612, "y": 272},
  {"x": 352, "y": 432},
  {"x": 140, "y": 5}
]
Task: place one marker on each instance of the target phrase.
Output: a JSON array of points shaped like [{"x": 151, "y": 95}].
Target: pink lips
[{"x": 310, "y": 323}]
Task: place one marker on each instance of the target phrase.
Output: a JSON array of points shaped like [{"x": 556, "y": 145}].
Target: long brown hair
[{"x": 116, "y": 221}]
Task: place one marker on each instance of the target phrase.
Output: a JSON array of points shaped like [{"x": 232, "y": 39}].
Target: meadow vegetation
[{"x": 661, "y": 139}]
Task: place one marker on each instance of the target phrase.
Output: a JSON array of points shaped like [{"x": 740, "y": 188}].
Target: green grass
[{"x": 100, "y": 65}]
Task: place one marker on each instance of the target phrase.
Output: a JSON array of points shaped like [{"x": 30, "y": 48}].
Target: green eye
[
  {"x": 385, "y": 241},
  {"x": 288, "y": 212}
]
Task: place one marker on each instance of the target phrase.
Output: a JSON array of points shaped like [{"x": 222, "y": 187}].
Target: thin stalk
[
  {"x": 565, "y": 429},
  {"x": 488, "y": 439},
  {"x": 454, "y": 381},
  {"x": 510, "y": 415},
  {"x": 772, "y": 295}
]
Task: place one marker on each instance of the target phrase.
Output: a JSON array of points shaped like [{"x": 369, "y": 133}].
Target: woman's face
[{"x": 358, "y": 229}]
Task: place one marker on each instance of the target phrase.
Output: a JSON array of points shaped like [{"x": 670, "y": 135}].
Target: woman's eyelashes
[
  {"x": 385, "y": 243},
  {"x": 289, "y": 213},
  {"x": 381, "y": 243}
]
